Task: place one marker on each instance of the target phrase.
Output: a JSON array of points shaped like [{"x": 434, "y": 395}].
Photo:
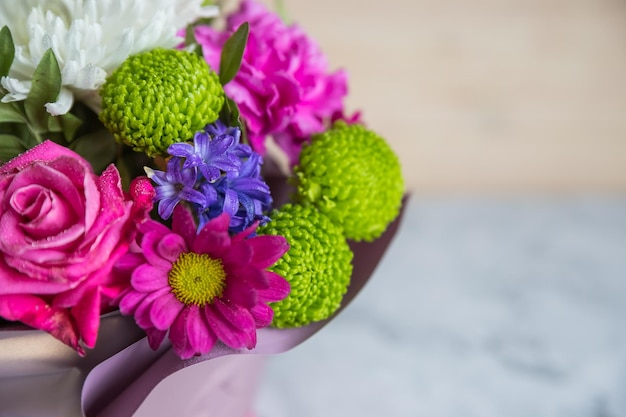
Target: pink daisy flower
[{"x": 201, "y": 287}]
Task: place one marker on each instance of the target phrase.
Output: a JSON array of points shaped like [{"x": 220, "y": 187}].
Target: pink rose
[
  {"x": 284, "y": 87},
  {"x": 61, "y": 230}
]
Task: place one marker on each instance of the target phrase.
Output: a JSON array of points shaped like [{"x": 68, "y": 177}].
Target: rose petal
[
  {"x": 42, "y": 152},
  {"x": 87, "y": 315},
  {"x": 14, "y": 282},
  {"x": 34, "y": 312}
]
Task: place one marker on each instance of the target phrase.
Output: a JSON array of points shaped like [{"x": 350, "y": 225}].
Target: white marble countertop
[{"x": 482, "y": 307}]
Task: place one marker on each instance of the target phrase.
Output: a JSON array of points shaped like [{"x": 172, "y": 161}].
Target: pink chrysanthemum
[
  {"x": 202, "y": 287},
  {"x": 283, "y": 87}
]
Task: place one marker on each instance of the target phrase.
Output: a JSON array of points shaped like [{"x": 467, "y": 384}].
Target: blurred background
[
  {"x": 503, "y": 293},
  {"x": 486, "y": 95}
]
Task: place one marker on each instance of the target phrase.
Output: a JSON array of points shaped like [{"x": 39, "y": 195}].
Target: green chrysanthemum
[
  {"x": 318, "y": 265},
  {"x": 352, "y": 175},
  {"x": 160, "y": 97}
]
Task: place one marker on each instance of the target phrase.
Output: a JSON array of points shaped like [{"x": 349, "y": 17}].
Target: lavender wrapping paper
[{"x": 39, "y": 376}]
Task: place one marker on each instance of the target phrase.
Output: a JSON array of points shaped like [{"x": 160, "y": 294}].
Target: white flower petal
[
  {"x": 17, "y": 90},
  {"x": 64, "y": 103},
  {"x": 90, "y": 38}
]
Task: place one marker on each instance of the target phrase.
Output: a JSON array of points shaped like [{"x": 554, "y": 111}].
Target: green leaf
[
  {"x": 70, "y": 125},
  {"x": 45, "y": 88},
  {"x": 10, "y": 114},
  {"x": 190, "y": 37},
  {"x": 7, "y": 51},
  {"x": 232, "y": 53},
  {"x": 98, "y": 148},
  {"x": 10, "y": 147},
  {"x": 231, "y": 115},
  {"x": 54, "y": 124},
  {"x": 24, "y": 133}
]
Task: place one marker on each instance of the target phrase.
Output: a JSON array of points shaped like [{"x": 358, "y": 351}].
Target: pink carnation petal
[{"x": 284, "y": 86}]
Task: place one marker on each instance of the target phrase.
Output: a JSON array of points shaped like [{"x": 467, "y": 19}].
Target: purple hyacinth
[
  {"x": 210, "y": 155},
  {"x": 174, "y": 185},
  {"x": 243, "y": 195},
  {"x": 216, "y": 174},
  {"x": 218, "y": 128}
]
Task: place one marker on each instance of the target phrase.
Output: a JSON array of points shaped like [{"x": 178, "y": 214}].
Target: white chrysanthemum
[{"x": 90, "y": 38}]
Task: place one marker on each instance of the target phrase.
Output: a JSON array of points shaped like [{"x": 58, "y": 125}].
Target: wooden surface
[{"x": 486, "y": 95}]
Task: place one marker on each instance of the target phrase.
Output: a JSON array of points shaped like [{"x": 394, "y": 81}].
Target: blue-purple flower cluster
[{"x": 216, "y": 174}]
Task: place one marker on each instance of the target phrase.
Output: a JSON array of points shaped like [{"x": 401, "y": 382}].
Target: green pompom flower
[
  {"x": 352, "y": 175},
  {"x": 318, "y": 265},
  {"x": 160, "y": 97}
]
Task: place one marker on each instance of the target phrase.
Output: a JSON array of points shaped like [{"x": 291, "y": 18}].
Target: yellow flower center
[{"x": 197, "y": 278}]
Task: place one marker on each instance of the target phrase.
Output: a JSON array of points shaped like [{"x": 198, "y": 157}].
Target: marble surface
[{"x": 505, "y": 306}]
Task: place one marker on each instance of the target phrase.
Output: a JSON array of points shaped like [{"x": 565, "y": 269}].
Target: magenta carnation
[
  {"x": 283, "y": 88},
  {"x": 201, "y": 287},
  {"x": 62, "y": 228}
]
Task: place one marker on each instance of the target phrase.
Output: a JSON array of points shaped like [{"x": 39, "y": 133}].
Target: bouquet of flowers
[{"x": 195, "y": 184}]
